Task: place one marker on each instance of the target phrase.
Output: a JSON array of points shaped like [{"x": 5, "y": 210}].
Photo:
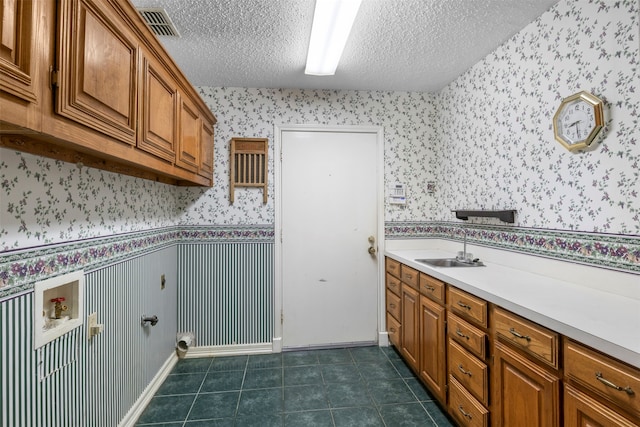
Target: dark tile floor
[{"x": 358, "y": 386}]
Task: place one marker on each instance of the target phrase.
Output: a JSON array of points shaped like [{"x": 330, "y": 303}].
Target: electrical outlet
[{"x": 163, "y": 281}]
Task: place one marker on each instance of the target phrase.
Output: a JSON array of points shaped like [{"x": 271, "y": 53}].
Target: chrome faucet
[{"x": 463, "y": 256}]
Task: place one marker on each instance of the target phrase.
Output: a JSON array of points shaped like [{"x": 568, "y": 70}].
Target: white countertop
[{"x": 606, "y": 321}]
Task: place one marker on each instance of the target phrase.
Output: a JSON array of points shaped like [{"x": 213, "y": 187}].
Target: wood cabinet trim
[
  {"x": 392, "y": 267},
  {"x": 464, "y": 407},
  {"x": 433, "y": 354},
  {"x": 581, "y": 409},
  {"x": 410, "y": 314},
  {"x": 468, "y": 306},
  {"x": 433, "y": 288},
  {"x": 470, "y": 371},
  {"x": 582, "y": 366},
  {"x": 535, "y": 340},
  {"x": 526, "y": 378},
  {"x": 393, "y": 284},
  {"x": 409, "y": 276},
  {"x": 470, "y": 337}
]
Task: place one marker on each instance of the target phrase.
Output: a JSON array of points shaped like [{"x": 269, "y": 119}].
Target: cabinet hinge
[
  {"x": 281, "y": 317},
  {"x": 53, "y": 77}
]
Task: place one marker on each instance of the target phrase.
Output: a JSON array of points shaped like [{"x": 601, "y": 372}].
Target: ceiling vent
[{"x": 159, "y": 22}]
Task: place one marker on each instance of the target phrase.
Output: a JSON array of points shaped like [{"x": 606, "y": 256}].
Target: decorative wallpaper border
[
  {"x": 618, "y": 252},
  {"x": 19, "y": 270}
]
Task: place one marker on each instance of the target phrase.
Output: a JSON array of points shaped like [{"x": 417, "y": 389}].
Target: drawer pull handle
[
  {"x": 518, "y": 335},
  {"x": 608, "y": 383},
  {"x": 393, "y": 330},
  {"x": 465, "y": 372},
  {"x": 429, "y": 288},
  {"x": 391, "y": 305},
  {"x": 463, "y": 305},
  {"x": 465, "y": 414},
  {"x": 460, "y": 334},
  {"x": 408, "y": 276}
]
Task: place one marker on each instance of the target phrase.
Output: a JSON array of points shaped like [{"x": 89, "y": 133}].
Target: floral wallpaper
[
  {"x": 493, "y": 142},
  {"x": 244, "y": 112},
  {"x": 46, "y": 201},
  {"x": 485, "y": 141}
]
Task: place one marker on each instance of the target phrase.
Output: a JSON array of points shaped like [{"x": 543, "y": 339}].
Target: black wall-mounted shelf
[{"x": 505, "y": 216}]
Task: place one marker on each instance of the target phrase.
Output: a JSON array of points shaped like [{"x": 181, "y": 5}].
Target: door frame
[{"x": 278, "y": 285}]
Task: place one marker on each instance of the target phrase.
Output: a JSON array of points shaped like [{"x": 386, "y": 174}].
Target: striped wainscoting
[
  {"x": 225, "y": 292},
  {"x": 76, "y": 382},
  {"x": 123, "y": 360}
]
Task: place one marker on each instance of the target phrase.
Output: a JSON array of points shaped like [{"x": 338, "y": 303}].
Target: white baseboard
[
  {"x": 136, "y": 410},
  {"x": 229, "y": 350}
]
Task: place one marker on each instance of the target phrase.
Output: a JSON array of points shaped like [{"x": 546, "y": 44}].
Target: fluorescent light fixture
[{"x": 332, "y": 21}]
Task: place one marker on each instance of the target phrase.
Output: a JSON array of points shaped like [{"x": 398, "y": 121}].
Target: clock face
[{"x": 578, "y": 120}]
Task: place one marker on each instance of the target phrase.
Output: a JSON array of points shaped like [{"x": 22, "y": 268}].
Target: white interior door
[{"x": 329, "y": 210}]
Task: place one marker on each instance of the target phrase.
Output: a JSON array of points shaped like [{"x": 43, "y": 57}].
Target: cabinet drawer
[
  {"x": 608, "y": 378},
  {"x": 472, "y": 308},
  {"x": 393, "y": 304},
  {"x": 432, "y": 288},
  {"x": 409, "y": 276},
  {"x": 393, "y": 329},
  {"x": 470, "y": 337},
  {"x": 469, "y": 371},
  {"x": 393, "y": 284},
  {"x": 393, "y": 267},
  {"x": 464, "y": 407},
  {"x": 541, "y": 343}
]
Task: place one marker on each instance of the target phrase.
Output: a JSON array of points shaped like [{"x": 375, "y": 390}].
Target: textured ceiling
[{"x": 404, "y": 45}]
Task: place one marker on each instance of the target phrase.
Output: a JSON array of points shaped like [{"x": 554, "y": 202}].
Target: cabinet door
[
  {"x": 159, "y": 112},
  {"x": 19, "y": 69},
  {"x": 410, "y": 325},
  {"x": 581, "y": 410},
  {"x": 525, "y": 394},
  {"x": 17, "y": 36},
  {"x": 432, "y": 347},
  {"x": 206, "y": 150},
  {"x": 189, "y": 136},
  {"x": 98, "y": 60}
]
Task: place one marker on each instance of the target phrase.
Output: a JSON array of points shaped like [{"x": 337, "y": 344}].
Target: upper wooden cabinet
[
  {"x": 158, "y": 111},
  {"x": 97, "y": 69},
  {"x": 189, "y": 139},
  {"x": 20, "y": 87},
  {"x": 112, "y": 97}
]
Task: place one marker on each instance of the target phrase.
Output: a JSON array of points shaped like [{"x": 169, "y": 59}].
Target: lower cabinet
[
  {"x": 433, "y": 361},
  {"x": 410, "y": 325},
  {"x": 490, "y": 367},
  {"x": 524, "y": 394}
]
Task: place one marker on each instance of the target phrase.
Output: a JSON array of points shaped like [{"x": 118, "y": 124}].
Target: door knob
[{"x": 372, "y": 250}]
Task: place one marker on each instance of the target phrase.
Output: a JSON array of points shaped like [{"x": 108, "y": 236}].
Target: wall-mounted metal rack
[{"x": 505, "y": 215}]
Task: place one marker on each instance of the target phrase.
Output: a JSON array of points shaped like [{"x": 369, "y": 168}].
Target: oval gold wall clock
[{"x": 578, "y": 120}]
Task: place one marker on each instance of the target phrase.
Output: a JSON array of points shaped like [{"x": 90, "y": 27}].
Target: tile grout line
[
  {"x": 244, "y": 376},
  {"x": 184, "y": 423}
]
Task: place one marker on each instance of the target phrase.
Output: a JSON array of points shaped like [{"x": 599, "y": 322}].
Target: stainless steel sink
[{"x": 449, "y": 262}]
